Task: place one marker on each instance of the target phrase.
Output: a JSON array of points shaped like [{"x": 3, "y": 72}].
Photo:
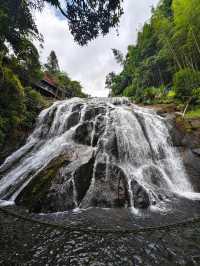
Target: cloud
[{"x": 92, "y": 63}]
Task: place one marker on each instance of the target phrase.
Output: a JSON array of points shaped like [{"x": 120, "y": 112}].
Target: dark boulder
[
  {"x": 99, "y": 129},
  {"x": 41, "y": 195},
  {"x": 110, "y": 188},
  {"x": 83, "y": 132},
  {"x": 72, "y": 120},
  {"x": 77, "y": 107},
  {"x": 140, "y": 196},
  {"x": 82, "y": 179},
  {"x": 191, "y": 161}
]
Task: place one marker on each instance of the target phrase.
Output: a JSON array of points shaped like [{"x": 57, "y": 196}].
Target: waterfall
[{"x": 103, "y": 152}]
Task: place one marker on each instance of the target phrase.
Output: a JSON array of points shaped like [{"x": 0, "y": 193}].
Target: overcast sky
[{"x": 92, "y": 63}]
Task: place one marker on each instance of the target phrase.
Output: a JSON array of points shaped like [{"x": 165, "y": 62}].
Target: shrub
[
  {"x": 34, "y": 104},
  {"x": 129, "y": 91},
  {"x": 185, "y": 81}
]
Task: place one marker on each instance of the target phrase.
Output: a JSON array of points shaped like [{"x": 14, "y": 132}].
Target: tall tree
[{"x": 52, "y": 65}]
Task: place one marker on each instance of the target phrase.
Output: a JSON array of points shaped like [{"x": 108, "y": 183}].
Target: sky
[{"x": 90, "y": 64}]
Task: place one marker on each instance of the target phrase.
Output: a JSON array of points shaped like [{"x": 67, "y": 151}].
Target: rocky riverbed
[{"x": 24, "y": 242}]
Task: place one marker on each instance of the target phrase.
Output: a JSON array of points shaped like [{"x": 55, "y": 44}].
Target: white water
[{"x": 144, "y": 145}]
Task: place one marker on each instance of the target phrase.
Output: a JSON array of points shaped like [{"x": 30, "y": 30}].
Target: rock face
[
  {"x": 109, "y": 189},
  {"x": 186, "y": 137},
  {"x": 102, "y": 153}
]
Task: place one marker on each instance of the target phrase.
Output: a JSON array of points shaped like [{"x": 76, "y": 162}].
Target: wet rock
[
  {"x": 196, "y": 151},
  {"x": 111, "y": 145},
  {"x": 92, "y": 111},
  {"x": 89, "y": 114},
  {"x": 83, "y": 132},
  {"x": 73, "y": 120},
  {"x": 152, "y": 175},
  {"x": 82, "y": 179},
  {"x": 110, "y": 188},
  {"x": 140, "y": 196},
  {"x": 195, "y": 123},
  {"x": 192, "y": 164},
  {"x": 38, "y": 195},
  {"x": 77, "y": 107},
  {"x": 99, "y": 129}
]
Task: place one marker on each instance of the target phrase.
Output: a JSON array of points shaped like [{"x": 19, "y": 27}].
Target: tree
[
  {"x": 12, "y": 108},
  {"x": 16, "y": 24},
  {"x": 185, "y": 81},
  {"x": 17, "y": 28},
  {"x": 109, "y": 80},
  {"x": 52, "y": 65},
  {"x": 118, "y": 56},
  {"x": 88, "y": 19}
]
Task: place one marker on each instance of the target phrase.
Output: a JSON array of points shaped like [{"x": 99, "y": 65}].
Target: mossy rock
[{"x": 35, "y": 192}]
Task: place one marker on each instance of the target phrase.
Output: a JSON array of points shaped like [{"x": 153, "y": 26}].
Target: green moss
[{"x": 35, "y": 193}]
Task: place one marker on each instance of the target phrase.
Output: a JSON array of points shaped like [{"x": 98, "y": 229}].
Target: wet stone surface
[{"x": 28, "y": 243}]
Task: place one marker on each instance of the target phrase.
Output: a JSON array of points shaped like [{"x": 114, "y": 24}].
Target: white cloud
[{"x": 92, "y": 63}]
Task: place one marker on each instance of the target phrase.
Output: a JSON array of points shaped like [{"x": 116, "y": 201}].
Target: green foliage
[
  {"x": 109, "y": 80},
  {"x": 196, "y": 96},
  {"x": 19, "y": 107},
  {"x": 72, "y": 88},
  {"x": 185, "y": 81},
  {"x": 34, "y": 103},
  {"x": 170, "y": 96},
  {"x": 149, "y": 95},
  {"x": 166, "y": 55},
  {"x": 118, "y": 56},
  {"x": 86, "y": 19},
  {"x": 193, "y": 114},
  {"x": 16, "y": 24},
  {"x": 12, "y": 105},
  {"x": 129, "y": 91}
]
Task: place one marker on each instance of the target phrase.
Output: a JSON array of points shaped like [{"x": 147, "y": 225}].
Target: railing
[{"x": 55, "y": 92}]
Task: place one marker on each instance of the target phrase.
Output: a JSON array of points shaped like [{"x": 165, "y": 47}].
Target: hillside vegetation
[{"x": 164, "y": 64}]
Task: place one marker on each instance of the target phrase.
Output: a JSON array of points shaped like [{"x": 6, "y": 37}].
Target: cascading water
[{"x": 96, "y": 152}]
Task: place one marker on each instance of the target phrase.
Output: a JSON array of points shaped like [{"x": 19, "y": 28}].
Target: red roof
[{"x": 49, "y": 80}]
